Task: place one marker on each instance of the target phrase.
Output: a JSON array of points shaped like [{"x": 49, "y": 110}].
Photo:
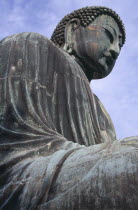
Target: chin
[
  {"x": 102, "y": 72},
  {"x": 105, "y": 66},
  {"x": 107, "y": 71}
]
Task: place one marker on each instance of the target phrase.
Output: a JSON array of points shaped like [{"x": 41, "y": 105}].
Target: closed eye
[{"x": 110, "y": 36}]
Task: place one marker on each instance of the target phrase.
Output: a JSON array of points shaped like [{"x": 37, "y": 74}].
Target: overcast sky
[{"x": 119, "y": 91}]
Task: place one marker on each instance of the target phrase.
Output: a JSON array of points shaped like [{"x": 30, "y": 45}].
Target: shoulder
[
  {"x": 31, "y": 37},
  {"x": 30, "y": 40},
  {"x": 34, "y": 39},
  {"x": 26, "y": 36}
]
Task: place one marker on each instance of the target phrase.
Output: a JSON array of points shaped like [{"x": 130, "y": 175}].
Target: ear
[{"x": 70, "y": 28}]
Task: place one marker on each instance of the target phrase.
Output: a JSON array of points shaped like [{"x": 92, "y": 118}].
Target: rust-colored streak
[
  {"x": 92, "y": 28},
  {"x": 95, "y": 46}
]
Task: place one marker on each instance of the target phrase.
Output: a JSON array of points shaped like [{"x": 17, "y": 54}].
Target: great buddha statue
[{"x": 58, "y": 144}]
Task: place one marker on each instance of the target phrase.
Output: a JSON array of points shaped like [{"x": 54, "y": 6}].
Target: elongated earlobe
[
  {"x": 68, "y": 48},
  {"x": 71, "y": 26}
]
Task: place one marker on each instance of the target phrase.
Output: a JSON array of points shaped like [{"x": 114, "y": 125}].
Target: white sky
[{"x": 119, "y": 91}]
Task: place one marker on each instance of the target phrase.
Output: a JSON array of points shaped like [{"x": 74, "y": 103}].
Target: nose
[{"x": 114, "y": 50}]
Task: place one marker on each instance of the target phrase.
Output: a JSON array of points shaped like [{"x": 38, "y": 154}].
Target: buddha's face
[{"x": 97, "y": 46}]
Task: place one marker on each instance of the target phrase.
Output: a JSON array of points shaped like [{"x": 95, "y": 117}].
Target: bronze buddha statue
[{"x": 58, "y": 144}]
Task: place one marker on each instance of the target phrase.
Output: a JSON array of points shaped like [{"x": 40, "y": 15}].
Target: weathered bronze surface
[{"x": 58, "y": 148}]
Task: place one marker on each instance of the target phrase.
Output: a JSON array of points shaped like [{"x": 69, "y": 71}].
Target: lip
[
  {"x": 106, "y": 63},
  {"x": 109, "y": 60}
]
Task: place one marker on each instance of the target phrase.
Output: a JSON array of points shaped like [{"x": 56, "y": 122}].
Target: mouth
[
  {"x": 109, "y": 60},
  {"x": 106, "y": 64},
  {"x": 106, "y": 61}
]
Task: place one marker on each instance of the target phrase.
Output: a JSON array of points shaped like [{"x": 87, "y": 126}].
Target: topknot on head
[{"x": 86, "y": 15}]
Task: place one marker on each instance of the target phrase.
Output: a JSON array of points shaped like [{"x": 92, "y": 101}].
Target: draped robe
[{"x": 53, "y": 132}]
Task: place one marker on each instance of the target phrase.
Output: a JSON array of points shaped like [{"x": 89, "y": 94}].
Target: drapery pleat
[{"x": 47, "y": 110}]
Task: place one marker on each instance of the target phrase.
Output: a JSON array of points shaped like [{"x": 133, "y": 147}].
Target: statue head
[{"x": 94, "y": 37}]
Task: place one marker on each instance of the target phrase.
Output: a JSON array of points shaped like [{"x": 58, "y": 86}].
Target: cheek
[
  {"x": 94, "y": 49},
  {"x": 104, "y": 41},
  {"x": 90, "y": 49},
  {"x": 103, "y": 45},
  {"x": 86, "y": 43},
  {"x": 87, "y": 49},
  {"x": 92, "y": 44}
]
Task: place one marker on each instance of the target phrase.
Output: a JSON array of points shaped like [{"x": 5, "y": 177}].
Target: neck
[
  {"x": 87, "y": 69},
  {"x": 86, "y": 65}
]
